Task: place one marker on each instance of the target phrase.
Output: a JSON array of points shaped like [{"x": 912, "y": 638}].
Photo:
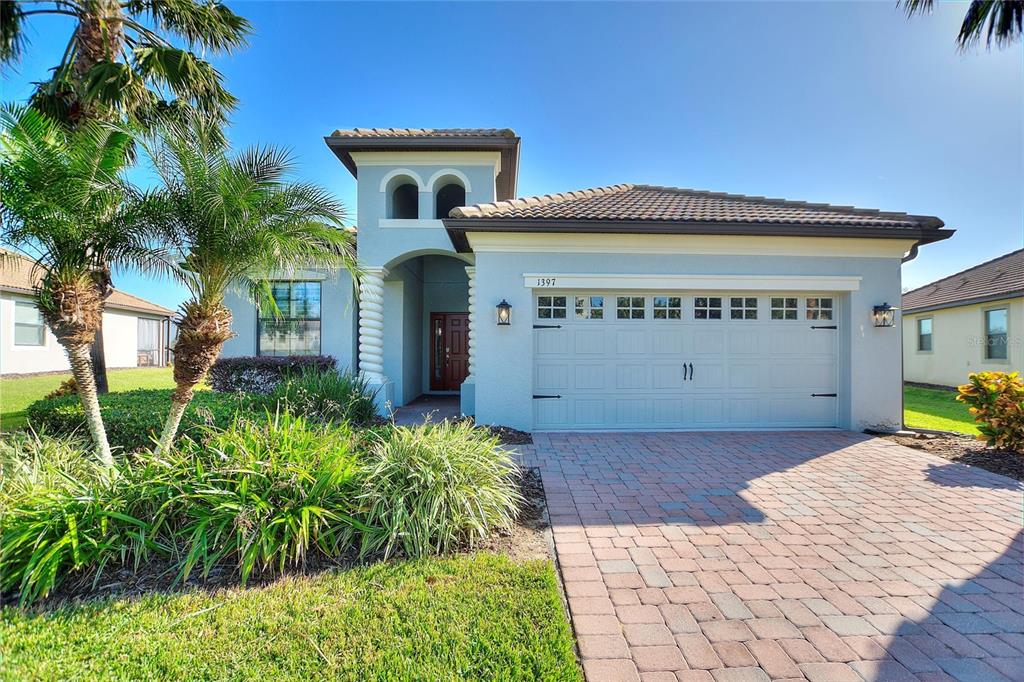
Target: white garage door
[{"x": 684, "y": 360}]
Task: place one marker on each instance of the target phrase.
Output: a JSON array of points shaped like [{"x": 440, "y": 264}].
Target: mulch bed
[{"x": 966, "y": 450}]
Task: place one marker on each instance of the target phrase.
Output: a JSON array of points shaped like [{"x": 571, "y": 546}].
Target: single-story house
[
  {"x": 616, "y": 308},
  {"x": 972, "y": 321},
  {"x": 136, "y": 332}
]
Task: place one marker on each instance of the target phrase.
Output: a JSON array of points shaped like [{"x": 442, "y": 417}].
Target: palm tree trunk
[
  {"x": 81, "y": 369},
  {"x": 178, "y": 405}
]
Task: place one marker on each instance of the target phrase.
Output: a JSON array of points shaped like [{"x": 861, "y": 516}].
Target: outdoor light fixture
[
  {"x": 883, "y": 315},
  {"x": 504, "y": 313}
]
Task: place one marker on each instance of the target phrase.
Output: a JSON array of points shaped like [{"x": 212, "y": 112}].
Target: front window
[
  {"x": 924, "y": 334},
  {"x": 29, "y": 329},
  {"x": 819, "y": 309},
  {"x": 707, "y": 308},
  {"x": 784, "y": 308},
  {"x": 295, "y": 330},
  {"x": 629, "y": 307},
  {"x": 590, "y": 307},
  {"x": 551, "y": 307},
  {"x": 668, "y": 308},
  {"x": 743, "y": 308},
  {"x": 996, "y": 334}
]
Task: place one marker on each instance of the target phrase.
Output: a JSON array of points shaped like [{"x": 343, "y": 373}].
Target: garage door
[{"x": 684, "y": 360}]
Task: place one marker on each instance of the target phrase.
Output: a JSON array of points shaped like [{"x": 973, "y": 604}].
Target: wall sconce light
[
  {"x": 504, "y": 313},
  {"x": 883, "y": 315}
]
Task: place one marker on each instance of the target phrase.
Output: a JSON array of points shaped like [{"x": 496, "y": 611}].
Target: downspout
[{"x": 911, "y": 255}]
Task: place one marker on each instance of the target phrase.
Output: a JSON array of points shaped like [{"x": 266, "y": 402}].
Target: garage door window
[
  {"x": 668, "y": 308},
  {"x": 819, "y": 309},
  {"x": 707, "y": 308},
  {"x": 743, "y": 308},
  {"x": 551, "y": 307},
  {"x": 784, "y": 308},
  {"x": 590, "y": 307},
  {"x": 629, "y": 307}
]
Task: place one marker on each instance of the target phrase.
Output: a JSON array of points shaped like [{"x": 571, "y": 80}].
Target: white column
[
  {"x": 371, "y": 324},
  {"x": 471, "y": 272}
]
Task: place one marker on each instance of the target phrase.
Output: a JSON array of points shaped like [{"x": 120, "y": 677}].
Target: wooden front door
[{"x": 449, "y": 350}]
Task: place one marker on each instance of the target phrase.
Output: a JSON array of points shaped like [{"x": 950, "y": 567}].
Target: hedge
[
  {"x": 253, "y": 374},
  {"x": 134, "y": 418}
]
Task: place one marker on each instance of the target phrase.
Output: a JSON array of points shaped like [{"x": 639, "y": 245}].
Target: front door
[{"x": 449, "y": 350}]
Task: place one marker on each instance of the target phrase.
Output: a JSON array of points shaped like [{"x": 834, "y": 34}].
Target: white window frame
[
  {"x": 784, "y": 308},
  {"x": 668, "y": 308},
  {"x": 631, "y": 306},
  {"x": 584, "y": 308},
  {"x": 44, "y": 337},
  {"x": 744, "y": 308},
  {"x": 814, "y": 313},
  {"x": 708, "y": 308},
  {"x": 931, "y": 334},
  {"x": 985, "y": 333},
  {"x": 552, "y": 307}
]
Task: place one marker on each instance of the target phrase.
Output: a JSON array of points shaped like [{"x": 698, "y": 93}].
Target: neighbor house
[
  {"x": 135, "y": 331},
  {"x": 622, "y": 307},
  {"x": 972, "y": 321}
]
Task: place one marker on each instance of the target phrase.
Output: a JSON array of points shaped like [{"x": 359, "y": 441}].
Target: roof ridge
[
  {"x": 483, "y": 210},
  {"x": 423, "y": 132},
  {"x": 964, "y": 271},
  {"x": 778, "y": 201}
]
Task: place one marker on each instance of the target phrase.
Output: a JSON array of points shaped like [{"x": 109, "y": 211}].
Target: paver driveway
[{"x": 824, "y": 556}]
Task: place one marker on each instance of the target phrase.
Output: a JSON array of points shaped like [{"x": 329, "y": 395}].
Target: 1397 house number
[{"x": 545, "y": 281}]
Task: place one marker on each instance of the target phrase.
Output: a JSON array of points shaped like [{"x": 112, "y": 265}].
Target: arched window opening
[
  {"x": 448, "y": 197},
  {"x": 405, "y": 201}
]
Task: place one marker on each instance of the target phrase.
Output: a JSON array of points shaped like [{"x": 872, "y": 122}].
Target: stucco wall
[
  {"x": 338, "y": 314},
  {"x": 120, "y": 342},
  {"x": 958, "y": 343},
  {"x": 870, "y": 379}
]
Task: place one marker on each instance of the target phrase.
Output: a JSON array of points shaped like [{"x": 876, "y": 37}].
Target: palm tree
[
  {"x": 120, "y": 64},
  {"x": 234, "y": 221},
  {"x": 120, "y": 61},
  {"x": 1000, "y": 21},
  {"x": 64, "y": 205}
]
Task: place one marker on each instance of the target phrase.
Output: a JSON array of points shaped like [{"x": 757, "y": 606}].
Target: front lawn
[
  {"x": 929, "y": 408},
  {"x": 17, "y": 393},
  {"x": 479, "y": 616}
]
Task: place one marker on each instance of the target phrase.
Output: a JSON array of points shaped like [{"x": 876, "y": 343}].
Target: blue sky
[{"x": 835, "y": 102}]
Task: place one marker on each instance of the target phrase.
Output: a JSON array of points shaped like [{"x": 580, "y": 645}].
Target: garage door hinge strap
[
  {"x": 824, "y": 395},
  {"x": 824, "y": 326},
  {"x": 545, "y": 397},
  {"x": 547, "y": 326}
]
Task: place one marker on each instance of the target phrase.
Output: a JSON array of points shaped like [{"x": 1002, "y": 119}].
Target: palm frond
[
  {"x": 1001, "y": 22},
  {"x": 12, "y": 36},
  {"x": 210, "y": 25}
]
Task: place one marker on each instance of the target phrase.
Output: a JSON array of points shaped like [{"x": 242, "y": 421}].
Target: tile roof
[
  {"x": 17, "y": 276},
  {"x": 423, "y": 132},
  {"x": 647, "y": 202},
  {"x": 1001, "y": 277}
]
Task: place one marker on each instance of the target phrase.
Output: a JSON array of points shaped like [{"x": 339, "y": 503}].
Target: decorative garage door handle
[
  {"x": 691, "y": 371},
  {"x": 824, "y": 326},
  {"x": 687, "y": 368},
  {"x": 546, "y": 397},
  {"x": 823, "y": 395}
]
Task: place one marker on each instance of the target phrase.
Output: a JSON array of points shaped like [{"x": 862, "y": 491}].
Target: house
[
  {"x": 972, "y": 321},
  {"x": 616, "y": 308},
  {"x": 135, "y": 331}
]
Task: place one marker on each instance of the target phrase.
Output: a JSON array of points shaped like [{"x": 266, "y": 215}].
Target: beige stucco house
[{"x": 972, "y": 321}]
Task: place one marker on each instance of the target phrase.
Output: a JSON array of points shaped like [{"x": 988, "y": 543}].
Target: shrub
[
  {"x": 67, "y": 387},
  {"x": 261, "y": 374},
  {"x": 996, "y": 399},
  {"x": 31, "y": 462},
  {"x": 325, "y": 396},
  {"x": 134, "y": 418},
  {"x": 263, "y": 494},
  {"x": 81, "y": 525},
  {"x": 430, "y": 488}
]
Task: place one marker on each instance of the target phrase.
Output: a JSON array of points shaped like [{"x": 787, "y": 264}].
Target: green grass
[
  {"x": 479, "y": 616},
  {"x": 929, "y": 408},
  {"x": 18, "y": 393}
]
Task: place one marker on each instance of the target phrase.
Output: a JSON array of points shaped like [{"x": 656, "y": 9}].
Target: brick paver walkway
[{"x": 821, "y": 556}]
